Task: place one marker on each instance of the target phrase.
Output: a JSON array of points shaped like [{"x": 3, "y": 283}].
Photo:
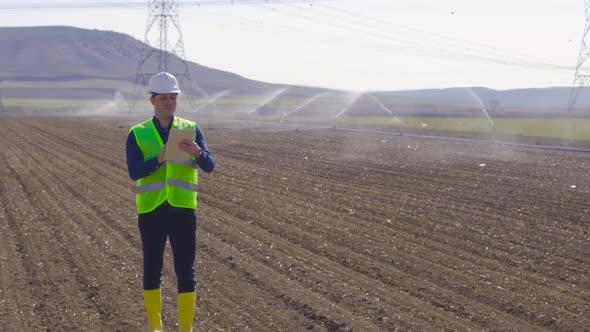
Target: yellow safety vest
[{"x": 175, "y": 181}]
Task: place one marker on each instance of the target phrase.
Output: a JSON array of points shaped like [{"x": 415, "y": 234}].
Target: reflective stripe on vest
[
  {"x": 174, "y": 181},
  {"x": 171, "y": 182}
]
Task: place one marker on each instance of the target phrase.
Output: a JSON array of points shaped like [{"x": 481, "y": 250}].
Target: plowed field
[{"x": 299, "y": 230}]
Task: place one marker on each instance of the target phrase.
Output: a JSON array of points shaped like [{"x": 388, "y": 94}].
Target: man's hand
[
  {"x": 162, "y": 155},
  {"x": 190, "y": 147}
]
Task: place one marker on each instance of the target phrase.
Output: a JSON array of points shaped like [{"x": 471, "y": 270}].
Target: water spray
[
  {"x": 114, "y": 107},
  {"x": 195, "y": 85},
  {"x": 306, "y": 102},
  {"x": 272, "y": 97},
  {"x": 353, "y": 98},
  {"x": 211, "y": 101},
  {"x": 395, "y": 118},
  {"x": 483, "y": 109}
]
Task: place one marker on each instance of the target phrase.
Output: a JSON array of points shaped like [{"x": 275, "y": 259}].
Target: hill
[
  {"x": 59, "y": 53},
  {"x": 546, "y": 98}
]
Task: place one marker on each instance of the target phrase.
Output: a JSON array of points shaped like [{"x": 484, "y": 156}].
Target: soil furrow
[{"x": 300, "y": 230}]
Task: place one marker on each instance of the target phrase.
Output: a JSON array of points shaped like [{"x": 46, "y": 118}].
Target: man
[{"x": 166, "y": 199}]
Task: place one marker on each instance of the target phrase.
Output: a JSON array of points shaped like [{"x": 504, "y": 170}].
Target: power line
[
  {"x": 351, "y": 21},
  {"x": 377, "y": 33},
  {"x": 366, "y": 25},
  {"x": 493, "y": 52},
  {"x": 126, "y": 4},
  {"x": 410, "y": 42}
]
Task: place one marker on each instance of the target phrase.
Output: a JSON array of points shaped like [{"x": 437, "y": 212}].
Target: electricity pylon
[
  {"x": 167, "y": 53},
  {"x": 581, "y": 78}
]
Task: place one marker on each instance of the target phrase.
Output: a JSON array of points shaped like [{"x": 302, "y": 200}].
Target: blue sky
[{"x": 359, "y": 45}]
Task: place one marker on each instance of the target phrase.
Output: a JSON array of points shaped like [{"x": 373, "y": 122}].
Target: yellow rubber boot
[
  {"x": 186, "y": 311},
  {"x": 153, "y": 307}
]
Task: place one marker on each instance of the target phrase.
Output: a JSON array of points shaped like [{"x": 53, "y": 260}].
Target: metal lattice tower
[
  {"x": 163, "y": 48},
  {"x": 581, "y": 78}
]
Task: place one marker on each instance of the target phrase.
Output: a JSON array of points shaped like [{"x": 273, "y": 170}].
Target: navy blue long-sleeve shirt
[{"x": 138, "y": 168}]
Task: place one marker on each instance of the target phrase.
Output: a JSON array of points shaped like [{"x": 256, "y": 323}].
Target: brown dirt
[{"x": 300, "y": 230}]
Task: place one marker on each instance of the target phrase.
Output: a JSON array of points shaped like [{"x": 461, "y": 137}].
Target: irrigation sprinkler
[
  {"x": 212, "y": 100},
  {"x": 274, "y": 95},
  {"x": 483, "y": 109},
  {"x": 306, "y": 102},
  {"x": 429, "y": 137},
  {"x": 395, "y": 118},
  {"x": 353, "y": 99}
]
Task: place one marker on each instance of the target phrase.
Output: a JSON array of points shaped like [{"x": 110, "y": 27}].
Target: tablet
[{"x": 173, "y": 152}]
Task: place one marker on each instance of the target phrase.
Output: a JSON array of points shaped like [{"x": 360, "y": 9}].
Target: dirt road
[{"x": 300, "y": 230}]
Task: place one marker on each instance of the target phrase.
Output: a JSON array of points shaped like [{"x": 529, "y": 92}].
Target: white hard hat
[{"x": 163, "y": 82}]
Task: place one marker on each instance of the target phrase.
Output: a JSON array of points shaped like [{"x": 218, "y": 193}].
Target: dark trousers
[{"x": 180, "y": 226}]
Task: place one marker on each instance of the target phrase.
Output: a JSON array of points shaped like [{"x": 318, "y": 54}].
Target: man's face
[{"x": 164, "y": 104}]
